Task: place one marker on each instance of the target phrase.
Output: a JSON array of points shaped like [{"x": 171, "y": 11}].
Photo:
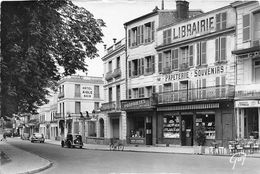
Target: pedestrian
[{"x": 4, "y": 137}]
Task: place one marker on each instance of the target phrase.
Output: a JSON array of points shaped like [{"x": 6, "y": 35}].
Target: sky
[{"x": 116, "y": 12}]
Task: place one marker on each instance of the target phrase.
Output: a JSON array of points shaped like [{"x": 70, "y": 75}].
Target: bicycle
[{"x": 116, "y": 146}]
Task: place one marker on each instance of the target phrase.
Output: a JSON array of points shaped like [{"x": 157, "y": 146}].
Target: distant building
[
  {"x": 114, "y": 91},
  {"x": 79, "y": 98},
  {"x": 247, "y": 52}
]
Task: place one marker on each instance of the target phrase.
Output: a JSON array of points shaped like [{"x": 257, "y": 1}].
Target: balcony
[
  {"x": 109, "y": 76},
  {"x": 139, "y": 103},
  {"x": 110, "y": 106},
  {"x": 61, "y": 95},
  {"x": 184, "y": 66},
  {"x": 197, "y": 94},
  {"x": 248, "y": 91},
  {"x": 117, "y": 72}
]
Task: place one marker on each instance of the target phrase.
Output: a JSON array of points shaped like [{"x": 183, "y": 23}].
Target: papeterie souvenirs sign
[{"x": 196, "y": 73}]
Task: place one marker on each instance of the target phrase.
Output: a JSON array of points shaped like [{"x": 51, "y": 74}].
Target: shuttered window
[
  {"x": 153, "y": 64},
  {"x": 191, "y": 51},
  {"x": 175, "y": 59},
  {"x": 220, "y": 49},
  {"x": 221, "y": 21},
  {"x": 246, "y": 27},
  {"x": 160, "y": 62},
  {"x": 202, "y": 53}
]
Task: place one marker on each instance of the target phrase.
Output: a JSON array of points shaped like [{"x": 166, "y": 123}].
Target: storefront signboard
[
  {"x": 87, "y": 92},
  {"x": 136, "y": 141},
  {"x": 135, "y": 104},
  {"x": 247, "y": 104},
  {"x": 196, "y": 73},
  {"x": 247, "y": 91}
]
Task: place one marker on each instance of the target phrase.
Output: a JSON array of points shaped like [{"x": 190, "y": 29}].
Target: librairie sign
[
  {"x": 196, "y": 73},
  {"x": 194, "y": 27}
]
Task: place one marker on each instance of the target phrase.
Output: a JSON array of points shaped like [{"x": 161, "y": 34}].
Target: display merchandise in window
[
  {"x": 207, "y": 120},
  {"x": 171, "y": 127}
]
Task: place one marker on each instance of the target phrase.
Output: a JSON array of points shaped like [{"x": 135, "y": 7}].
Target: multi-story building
[
  {"x": 79, "y": 98},
  {"x": 142, "y": 72},
  {"x": 247, "y": 54},
  {"x": 197, "y": 78},
  {"x": 114, "y": 91}
]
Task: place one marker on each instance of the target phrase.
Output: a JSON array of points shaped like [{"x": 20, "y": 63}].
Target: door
[
  {"x": 148, "y": 127},
  {"x": 227, "y": 126},
  {"x": 187, "y": 130},
  {"x": 115, "y": 127}
]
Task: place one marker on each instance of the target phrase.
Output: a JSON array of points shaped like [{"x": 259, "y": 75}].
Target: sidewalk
[
  {"x": 153, "y": 149},
  {"x": 20, "y": 161}
]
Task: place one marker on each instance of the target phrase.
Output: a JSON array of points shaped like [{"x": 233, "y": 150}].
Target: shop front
[
  {"x": 141, "y": 121},
  {"x": 177, "y": 124}
]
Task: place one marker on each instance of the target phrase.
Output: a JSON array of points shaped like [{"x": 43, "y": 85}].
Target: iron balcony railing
[
  {"x": 110, "y": 106},
  {"x": 109, "y": 76},
  {"x": 117, "y": 72},
  {"x": 197, "y": 94}
]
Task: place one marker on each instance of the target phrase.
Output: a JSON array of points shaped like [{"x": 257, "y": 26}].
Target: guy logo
[{"x": 237, "y": 157}]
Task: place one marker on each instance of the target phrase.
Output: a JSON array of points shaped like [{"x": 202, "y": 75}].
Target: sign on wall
[
  {"x": 247, "y": 104},
  {"x": 87, "y": 92},
  {"x": 197, "y": 73}
]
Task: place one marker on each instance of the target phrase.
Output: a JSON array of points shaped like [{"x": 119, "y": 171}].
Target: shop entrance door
[
  {"x": 148, "y": 127},
  {"x": 115, "y": 127},
  {"x": 187, "y": 130}
]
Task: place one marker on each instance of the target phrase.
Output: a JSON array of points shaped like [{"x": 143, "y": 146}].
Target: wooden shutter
[
  {"x": 223, "y": 48},
  {"x": 217, "y": 50},
  {"x": 138, "y": 35},
  {"x": 142, "y": 66},
  {"x": 246, "y": 27},
  {"x": 142, "y": 34},
  {"x": 153, "y": 64},
  {"x": 138, "y": 66},
  {"x": 204, "y": 53},
  {"x": 198, "y": 53},
  {"x": 129, "y": 93},
  {"x": 154, "y": 89},
  {"x": 129, "y": 38},
  {"x": 129, "y": 69},
  {"x": 169, "y": 36},
  {"x": 223, "y": 80},
  {"x": 223, "y": 20},
  {"x": 191, "y": 55},
  {"x": 217, "y": 87},
  {"x": 218, "y": 21},
  {"x": 152, "y": 30},
  {"x": 160, "y": 62},
  {"x": 164, "y": 37}
]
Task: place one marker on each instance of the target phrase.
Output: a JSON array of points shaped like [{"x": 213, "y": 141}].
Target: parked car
[
  {"x": 37, "y": 137},
  {"x": 72, "y": 140},
  {"x": 8, "y": 132}
]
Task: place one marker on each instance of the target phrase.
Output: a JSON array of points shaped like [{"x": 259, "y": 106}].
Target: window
[
  {"x": 184, "y": 51},
  {"x": 92, "y": 129},
  {"x": 96, "y": 105},
  {"x": 129, "y": 69},
  {"x": 129, "y": 93},
  {"x": 118, "y": 62},
  {"x": 110, "y": 66},
  {"x": 171, "y": 126},
  {"x": 141, "y": 92},
  {"x": 135, "y": 93},
  {"x": 221, "y": 21},
  {"x": 175, "y": 59},
  {"x": 246, "y": 27},
  {"x": 149, "y": 64},
  {"x": 190, "y": 56},
  {"x": 208, "y": 121},
  {"x": 149, "y": 32},
  {"x": 220, "y": 86},
  {"x": 135, "y": 67},
  {"x": 201, "y": 84},
  {"x": 202, "y": 53},
  {"x": 110, "y": 94},
  {"x": 148, "y": 91},
  {"x": 96, "y": 91},
  {"x": 167, "y": 36},
  {"x": 77, "y": 107},
  {"x": 134, "y": 36},
  {"x": 77, "y": 90},
  {"x": 117, "y": 95},
  {"x": 167, "y": 58},
  {"x": 160, "y": 62},
  {"x": 257, "y": 71},
  {"x": 220, "y": 48},
  {"x": 101, "y": 127}
]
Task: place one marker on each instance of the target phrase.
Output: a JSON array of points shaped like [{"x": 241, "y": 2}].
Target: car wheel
[
  {"x": 62, "y": 144},
  {"x": 120, "y": 147},
  {"x": 32, "y": 141},
  {"x": 80, "y": 147}
]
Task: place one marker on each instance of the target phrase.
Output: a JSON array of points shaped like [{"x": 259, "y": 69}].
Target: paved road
[{"x": 93, "y": 161}]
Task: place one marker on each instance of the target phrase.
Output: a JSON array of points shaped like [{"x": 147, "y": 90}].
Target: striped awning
[{"x": 189, "y": 107}]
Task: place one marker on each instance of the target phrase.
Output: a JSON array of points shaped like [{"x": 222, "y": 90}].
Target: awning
[{"x": 189, "y": 107}]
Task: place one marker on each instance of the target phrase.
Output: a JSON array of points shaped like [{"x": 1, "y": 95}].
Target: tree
[{"x": 38, "y": 37}]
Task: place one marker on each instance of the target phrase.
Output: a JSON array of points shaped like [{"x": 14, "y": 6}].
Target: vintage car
[
  {"x": 37, "y": 137},
  {"x": 72, "y": 140}
]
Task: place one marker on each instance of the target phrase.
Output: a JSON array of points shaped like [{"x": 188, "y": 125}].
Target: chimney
[
  {"x": 162, "y": 4},
  {"x": 114, "y": 39},
  {"x": 182, "y": 8}
]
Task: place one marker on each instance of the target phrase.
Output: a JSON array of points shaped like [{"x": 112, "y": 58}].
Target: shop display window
[
  {"x": 207, "y": 120},
  {"x": 137, "y": 130},
  {"x": 171, "y": 127}
]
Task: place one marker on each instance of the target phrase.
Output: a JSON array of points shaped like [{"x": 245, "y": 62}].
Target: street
[{"x": 67, "y": 160}]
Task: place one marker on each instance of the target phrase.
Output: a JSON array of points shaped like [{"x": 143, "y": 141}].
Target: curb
[
  {"x": 159, "y": 152},
  {"x": 49, "y": 165}
]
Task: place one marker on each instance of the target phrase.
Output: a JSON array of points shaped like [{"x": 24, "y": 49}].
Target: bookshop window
[
  {"x": 171, "y": 127},
  {"x": 207, "y": 120}
]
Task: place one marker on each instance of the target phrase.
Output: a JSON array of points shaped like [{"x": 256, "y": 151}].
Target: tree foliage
[{"x": 38, "y": 37}]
